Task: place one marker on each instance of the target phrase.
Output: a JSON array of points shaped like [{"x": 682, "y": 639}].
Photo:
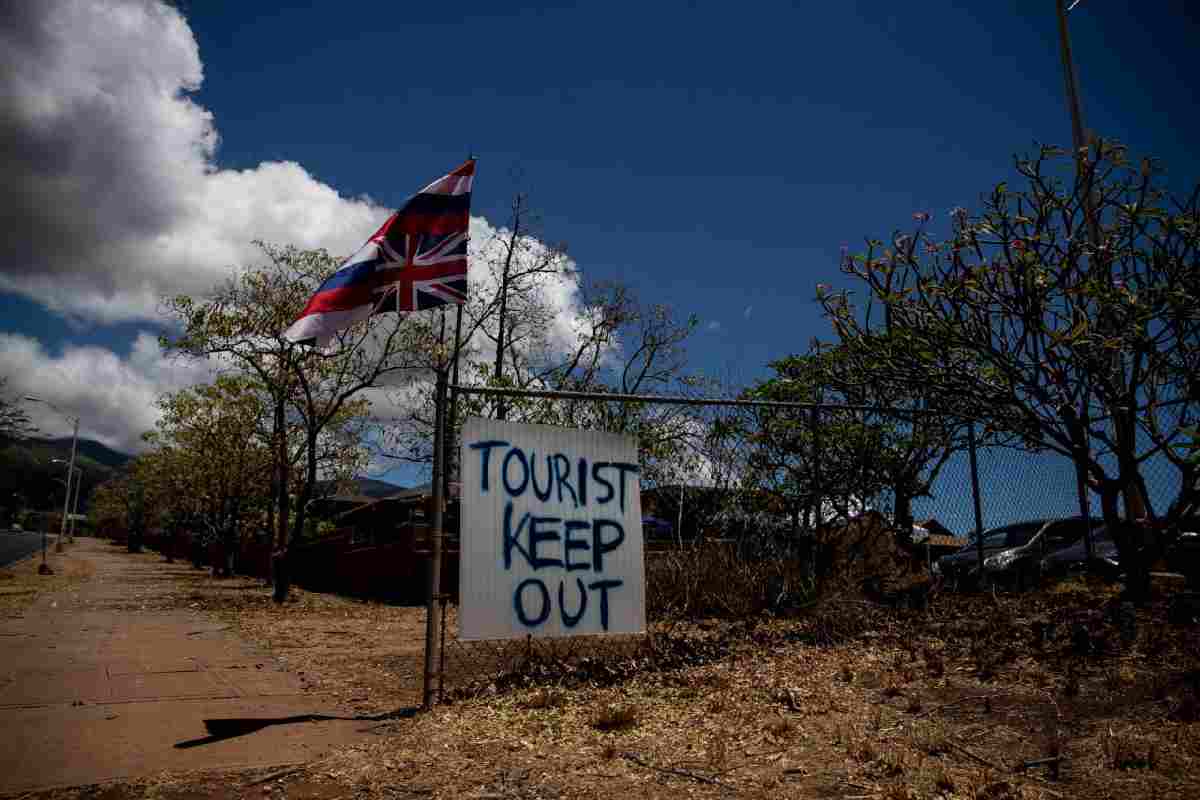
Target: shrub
[{"x": 712, "y": 580}]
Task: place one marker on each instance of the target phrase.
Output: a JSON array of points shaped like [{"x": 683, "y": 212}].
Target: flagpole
[
  {"x": 452, "y": 426},
  {"x": 432, "y": 608}
]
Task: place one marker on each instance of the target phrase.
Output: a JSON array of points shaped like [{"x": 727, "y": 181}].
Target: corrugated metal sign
[{"x": 551, "y": 532}]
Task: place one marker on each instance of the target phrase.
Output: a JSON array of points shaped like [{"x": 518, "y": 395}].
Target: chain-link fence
[{"x": 748, "y": 533}]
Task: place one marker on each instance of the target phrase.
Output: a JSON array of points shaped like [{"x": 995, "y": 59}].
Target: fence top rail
[{"x": 679, "y": 400}]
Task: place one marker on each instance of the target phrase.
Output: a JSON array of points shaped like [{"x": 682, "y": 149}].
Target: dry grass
[
  {"x": 615, "y": 717},
  {"x": 20, "y": 583},
  {"x": 710, "y": 580},
  {"x": 1127, "y": 750},
  {"x": 783, "y": 708}
]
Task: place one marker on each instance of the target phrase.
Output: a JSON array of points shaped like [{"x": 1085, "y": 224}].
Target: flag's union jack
[{"x": 416, "y": 260}]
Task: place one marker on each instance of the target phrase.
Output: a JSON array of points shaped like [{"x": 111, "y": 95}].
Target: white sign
[{"x": 551, "y": 522}]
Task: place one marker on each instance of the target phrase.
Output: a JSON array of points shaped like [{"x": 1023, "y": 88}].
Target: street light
[{"x": 70, "y": 470}]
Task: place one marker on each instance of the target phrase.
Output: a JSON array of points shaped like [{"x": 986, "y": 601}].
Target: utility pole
[
  {"x": 58, "y": 546},
  {"x": 75, "y": 506},
  {"x": 1135, "y": 507},
  {"x": 1078, "y": 139}
]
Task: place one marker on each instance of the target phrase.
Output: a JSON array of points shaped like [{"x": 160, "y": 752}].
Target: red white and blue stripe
[{"x": 417, "y": 260}]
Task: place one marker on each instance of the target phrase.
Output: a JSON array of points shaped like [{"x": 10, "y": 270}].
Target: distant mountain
[
  {"x": 32, "y": 471},
  {"x": 374, "y": 488},
  {"x": 101, "y": 454},
  {"x": 367, "y": 487}
]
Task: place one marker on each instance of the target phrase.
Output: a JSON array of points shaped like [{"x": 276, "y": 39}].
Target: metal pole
[
  {"x": 975, "y": 497},
  {"x": 279, "y": 554},
  {"x": 450, "y": 432},
  {"x": 67, "y": 500},
  {"x": 452, "y": 427},
  {"x": 435, "y": 563},
  {"x": 75, "y": 507},
  {"x": 679, "y": 519},
  {"x": 815, "y": 422},
  {"x": 442, "y": 653},
  {"x": 44, "y": 569},
  {"x": 1135, "y": 507},
  {"x": 1077, "y": 136},
  {"x": 1084, "y": 508},
  {"x": 1071, "y": 81}
]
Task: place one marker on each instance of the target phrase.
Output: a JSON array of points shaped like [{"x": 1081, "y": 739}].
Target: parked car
[
  {"x": 961, "y": 569},
  {"x": 1073, "y": 559},
  {"x": 1184, "y": 555},
  {"x": 1020, "y": 567},
  {"x": 1012, "y": 554}
]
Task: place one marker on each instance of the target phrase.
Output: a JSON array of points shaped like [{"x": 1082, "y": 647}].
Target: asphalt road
[{"x": 14, "y": 546}]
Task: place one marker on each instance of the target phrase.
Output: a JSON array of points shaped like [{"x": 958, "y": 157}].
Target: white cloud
[
  {"x": 112, "y": 196},
  {"x": 113, "y": 397},
  {"x": 109, "y": 173}
]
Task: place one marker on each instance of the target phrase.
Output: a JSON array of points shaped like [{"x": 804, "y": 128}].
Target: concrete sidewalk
[{"x": 94, "y": 688}]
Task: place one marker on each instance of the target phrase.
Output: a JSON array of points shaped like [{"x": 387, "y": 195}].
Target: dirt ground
[
  {"x": 20, "y": 583},
  {"x": 1044, "y": 695}
]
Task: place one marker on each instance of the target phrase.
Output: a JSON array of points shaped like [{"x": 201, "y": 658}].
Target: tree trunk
[
  {"x": 270, "y": 576},
  {"x": 279, "y": 557},
  {"x": 502, "y": 327},
  {"x": 1130, "y": 546},
  {"x": 310, "y": 481},
  {"x": 904, "y": 515}
]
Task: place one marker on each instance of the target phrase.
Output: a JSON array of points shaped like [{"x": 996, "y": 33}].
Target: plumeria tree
[
  {"x": 1082, "y": 344},
  {"x": 842, "y": 457}
]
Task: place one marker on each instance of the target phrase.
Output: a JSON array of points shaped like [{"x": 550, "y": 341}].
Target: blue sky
[
  {"x": 715, "y": 157},
  {"x": 716, "y": 160}
]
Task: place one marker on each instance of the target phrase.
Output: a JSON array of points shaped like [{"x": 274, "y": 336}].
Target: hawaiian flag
[{"x": 417, "y": 260}]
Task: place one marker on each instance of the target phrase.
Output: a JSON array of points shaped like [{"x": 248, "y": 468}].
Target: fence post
[
  {"x": 815, "y": 422},
  {"x": 435, "y": 533},
  {"x": 862, "y": 460},
  {"x": 975, "y": 498},
  {"x": 442, "y": 653},
  {"x": 1085, "y": 509}
]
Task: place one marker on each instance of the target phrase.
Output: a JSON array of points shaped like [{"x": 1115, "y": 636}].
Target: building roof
[
  {"x": 413, "y": 496},
  {"x": 934, "y": 527},
  {"x": 940, "y": 540}
]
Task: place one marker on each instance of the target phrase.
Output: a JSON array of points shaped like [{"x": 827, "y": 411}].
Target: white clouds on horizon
[
  {"x": 110, "y": 175},
  {"x": 113, "y": 397},
  {"x": 109, "y": 168}
]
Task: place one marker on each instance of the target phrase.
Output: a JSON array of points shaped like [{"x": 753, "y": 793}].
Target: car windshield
[
  {"x": 1021, "y": 536},
  {"x": 1100, "y": 533},
  {"x": 992, "y": 540}
]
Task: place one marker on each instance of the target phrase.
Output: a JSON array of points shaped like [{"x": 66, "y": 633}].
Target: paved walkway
[{"x": 93, "y": 687}]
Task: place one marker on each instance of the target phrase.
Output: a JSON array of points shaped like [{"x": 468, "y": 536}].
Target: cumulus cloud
[
  {"x": 109, "y": 173},
  {"x": 113, "y": 397}
]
